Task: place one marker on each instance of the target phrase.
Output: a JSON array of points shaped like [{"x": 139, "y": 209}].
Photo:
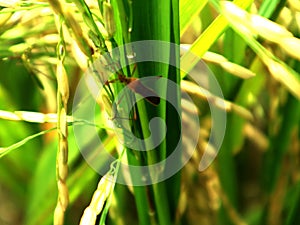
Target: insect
[{"x": 135, "y": 85}]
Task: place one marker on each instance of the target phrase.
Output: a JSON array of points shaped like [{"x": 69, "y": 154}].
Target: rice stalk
[
  {"x": 247, "y": 26},
  {"x": 103, "y": 193},
  {"x": 225, "y": 105},
  {"x": 65, "y": 13},
  {"x": 62, "y": 129}
]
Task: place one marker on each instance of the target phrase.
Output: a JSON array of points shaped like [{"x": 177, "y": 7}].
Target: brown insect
[{"x": 135, "y": 85}]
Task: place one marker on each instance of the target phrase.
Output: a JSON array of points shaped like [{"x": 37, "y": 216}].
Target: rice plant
[{"x": 83, "y": 83}]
